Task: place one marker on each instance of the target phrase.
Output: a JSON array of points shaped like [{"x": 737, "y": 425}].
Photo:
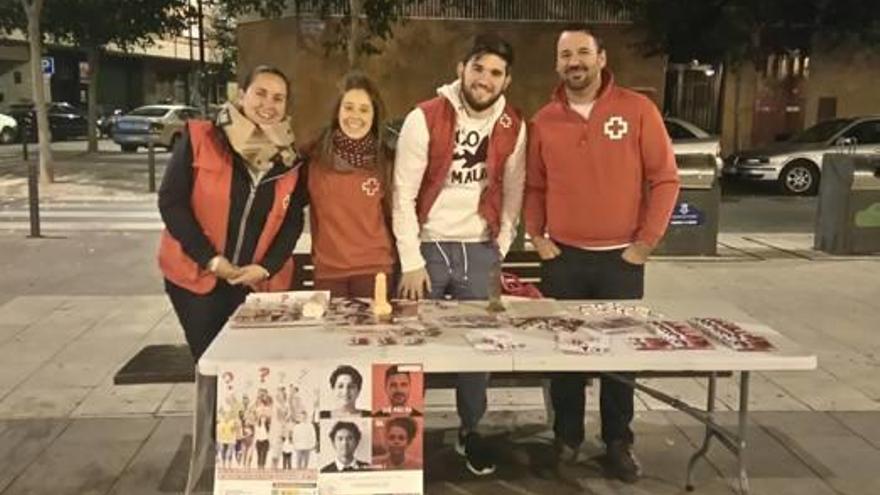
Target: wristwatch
[{"x": 214, "y": 264}]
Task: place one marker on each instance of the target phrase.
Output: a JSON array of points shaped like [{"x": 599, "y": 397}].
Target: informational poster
[
  {"x": 267, "y": 430},
  {"x": 353, "y": 428}
]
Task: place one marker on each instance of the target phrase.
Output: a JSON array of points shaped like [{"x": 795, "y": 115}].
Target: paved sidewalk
[
  {"x": 78, "y": 304},
  {"x": 818, "y": 432}
]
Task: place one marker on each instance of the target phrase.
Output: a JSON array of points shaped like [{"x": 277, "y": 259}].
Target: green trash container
[
  {"x": 693, "y": 228},
  {"x": 848, "y": 215}
]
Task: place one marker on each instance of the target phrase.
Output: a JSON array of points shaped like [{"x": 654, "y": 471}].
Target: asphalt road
[{"x": 745, "y": 207}]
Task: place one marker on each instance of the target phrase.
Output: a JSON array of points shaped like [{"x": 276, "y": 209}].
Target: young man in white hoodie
[{"x": 458, "y": 185}]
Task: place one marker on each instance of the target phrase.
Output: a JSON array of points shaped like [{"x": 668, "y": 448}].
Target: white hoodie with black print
[{"x": 454, "y": 215}]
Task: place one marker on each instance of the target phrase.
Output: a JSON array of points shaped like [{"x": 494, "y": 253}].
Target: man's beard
[
  {"x": 588, "y": 79},
  {"x": 471, "y": 101}
]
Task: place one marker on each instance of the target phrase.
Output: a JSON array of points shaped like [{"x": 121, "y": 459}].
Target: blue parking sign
[{"x": 48, "y": 65}]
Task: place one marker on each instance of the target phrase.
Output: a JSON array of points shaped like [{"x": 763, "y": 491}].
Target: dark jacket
[{"x": 176, "y": 212}]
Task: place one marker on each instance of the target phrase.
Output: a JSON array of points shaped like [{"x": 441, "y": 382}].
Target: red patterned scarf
[{"x": 353, "y": 153}]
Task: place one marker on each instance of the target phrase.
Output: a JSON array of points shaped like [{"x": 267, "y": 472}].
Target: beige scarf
[{"x": 257, "y": 144}]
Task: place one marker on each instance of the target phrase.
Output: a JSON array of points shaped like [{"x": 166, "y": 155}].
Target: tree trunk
[
  {"x": 33, "y": 9},
  {"x": 93, "y": 56},
  {"x": 354, "y": 35},
  {"x": 736, "y": 101}
]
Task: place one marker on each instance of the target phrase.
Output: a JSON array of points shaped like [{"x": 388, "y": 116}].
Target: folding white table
[{"x": 450, "y": 353}]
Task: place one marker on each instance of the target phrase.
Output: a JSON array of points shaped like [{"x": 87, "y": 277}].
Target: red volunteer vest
[
  {"x": 440, "y": 117},
  {"x": 212, "y": 185}
]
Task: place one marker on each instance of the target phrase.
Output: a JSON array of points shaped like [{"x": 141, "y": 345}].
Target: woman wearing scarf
[
  {"x": 232, "y": 200},
  {"x": 349, "y": 215}
]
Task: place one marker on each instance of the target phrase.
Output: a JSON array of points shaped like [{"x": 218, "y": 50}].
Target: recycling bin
[
  {"x": 848, "y": 214},
  {"x": 693, "y": 227}
]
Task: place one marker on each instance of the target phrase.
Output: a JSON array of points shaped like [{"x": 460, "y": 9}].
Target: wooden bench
[{"x": 524, "y": 264}]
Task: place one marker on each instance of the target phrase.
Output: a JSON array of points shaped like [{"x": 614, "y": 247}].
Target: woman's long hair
[{"x": 383, "y": 160}]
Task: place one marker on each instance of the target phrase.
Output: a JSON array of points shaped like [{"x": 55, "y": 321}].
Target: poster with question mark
[{"x": 267, "y": 429}]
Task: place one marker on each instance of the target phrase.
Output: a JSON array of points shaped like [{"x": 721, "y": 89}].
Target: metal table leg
[
  {"x": 701, "y": 453},
  {"x": 743, "y": 430},
  {"x": 203, "y": 429},
  {"x": 735, "y": 442}
]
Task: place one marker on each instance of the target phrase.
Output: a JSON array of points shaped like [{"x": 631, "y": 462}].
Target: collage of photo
[{"x": 307, "y": 425}]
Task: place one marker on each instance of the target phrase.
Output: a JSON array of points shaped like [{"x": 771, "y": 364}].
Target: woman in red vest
[
  {"x": 232, "y": 200},
  {"x": 350, "y": 198}
]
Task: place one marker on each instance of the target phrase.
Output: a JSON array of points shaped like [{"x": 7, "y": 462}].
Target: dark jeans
[
  {"x": 460, "y": 270},
  {"x": 262, "y": 453},
  {"x": 580, "y": 274},
  {"x": 203, "y": 315}
]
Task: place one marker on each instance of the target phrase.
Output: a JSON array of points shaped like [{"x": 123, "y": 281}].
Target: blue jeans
[{"x": 460, "y": 270}]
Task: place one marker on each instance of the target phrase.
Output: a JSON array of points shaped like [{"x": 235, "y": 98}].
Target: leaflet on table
[
  {"x": 281, "y": 309},
  {"x": 732, "y": 335},
  {"x": 671, "y": 335},
  {"x": 358, "y": 313},
  {"x": 320, "y": 427}
]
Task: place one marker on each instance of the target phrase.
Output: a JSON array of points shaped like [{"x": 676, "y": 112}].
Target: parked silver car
[
  {"x": 688, "y": 139},
  {"x": 161, "y": 124},
  {"x": 796, "y": 165}
]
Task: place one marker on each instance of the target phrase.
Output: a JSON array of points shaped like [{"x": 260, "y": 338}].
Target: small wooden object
[{"x": 381, "y": 306}]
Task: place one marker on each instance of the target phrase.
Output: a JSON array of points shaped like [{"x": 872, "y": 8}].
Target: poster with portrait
[
  {"x": 266, "y": 430},
  {"x": 398, "y": 389},
  {"x": 342, "y": 428}
]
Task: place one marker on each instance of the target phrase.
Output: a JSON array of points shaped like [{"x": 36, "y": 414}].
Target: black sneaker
[
  {"x": 478, "y": 456},
  {"x": 621, "y": 463}
]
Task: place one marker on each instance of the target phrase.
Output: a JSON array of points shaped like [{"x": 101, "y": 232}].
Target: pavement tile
[
  {"x": 180, "y": 400},
  {"x": 764, "y": 395},
  {"x": 29, "y": 402},
  {"x": 86, "y": 459},
  {"x": 11, "y": 376},
  {"x": 25, "y": 352},
  {"x": 823, "y": 392},
  {"x": 61, "y": 373},
  {"x": 122, "y": 400},
  {"x": 22, "y": 441},
  {"x": 156, "y": 469},
  {"x": 689, "y": 390},
  {"x": 28, "y": 309},
  {"x": 792, "y": 486},
  {"x": 866, "y": 425},
  {"x": 8, "y": 331},
  {"x": 766, "y": 456},
  {"x": 850, "y": 486},
  {"x": 848, "y": 457},
  {"x": 796, "y": 424}
]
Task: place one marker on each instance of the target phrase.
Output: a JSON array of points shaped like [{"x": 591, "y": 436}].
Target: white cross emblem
[
  {"x": 370, "y": 186},
  {"x": 615, "y": 128},
  {"x": 505, "y": 121},
  {"x": 285, "y": 202}
]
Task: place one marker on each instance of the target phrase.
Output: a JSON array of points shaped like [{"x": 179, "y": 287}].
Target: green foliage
[{"x": 737, "y": 31}]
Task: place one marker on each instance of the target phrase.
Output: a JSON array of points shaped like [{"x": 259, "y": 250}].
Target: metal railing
[{"x": 488, "y": 10}]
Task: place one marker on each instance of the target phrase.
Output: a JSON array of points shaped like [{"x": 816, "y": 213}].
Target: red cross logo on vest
[
  {"x": 370, "y": 186},
  {"x": 505, "y": 121},
  {"x": 615, "y": 128}
]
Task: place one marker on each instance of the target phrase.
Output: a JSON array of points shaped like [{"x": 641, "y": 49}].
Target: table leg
[
  {"x": 203, "y": 429},
  {"x": 710, "y": 408},
  {"x": 743, "y": 431}
]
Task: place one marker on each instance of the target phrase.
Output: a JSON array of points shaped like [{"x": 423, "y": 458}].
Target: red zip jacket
[{"x": 603, "y": 181}]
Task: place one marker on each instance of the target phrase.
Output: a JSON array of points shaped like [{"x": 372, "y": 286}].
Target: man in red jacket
[{"x": 601, "y": 184}]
